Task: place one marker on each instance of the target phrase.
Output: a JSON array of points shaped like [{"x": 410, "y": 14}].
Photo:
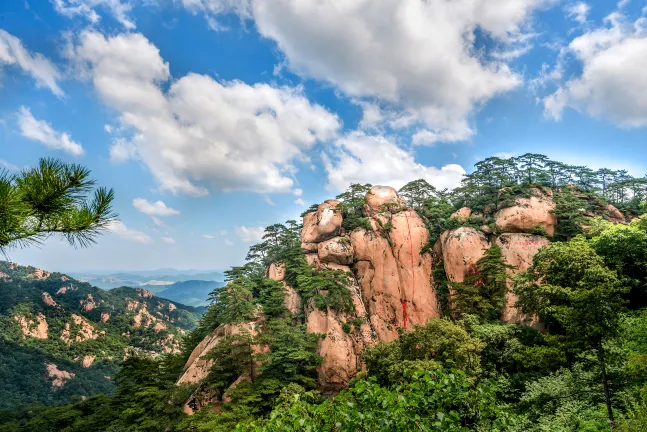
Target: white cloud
[
  {"x": 168, "y": 240},
  {"x": 229, "y": 242},
  {"x": 123, "y": 231},
  {"x": 201, "y": 132},
  {"x": 8, "y": 166},
  {"x": 12, "y": 52},
  {"x": 157, "y": 221},
  {"x": 157, "y": 208},
  {"x": 411, "y": 56},
  {"x": 297, "y": 192},
  {"x": 249, "y": 234},
  {"x": 269, "y": 201},
  {"x": 122, "y": 150},
  {"x": 578, "y": 11},
  {"x": 613, "y": 84},
  {"x": 362, "y": 158},
  {"x": 208, "y": 236},
  {"x": 300, "y": 202},
  {"x": 40, "y": 130},
  {"x": 107, "y": 128},
  {"x": 87, "y": 9}
]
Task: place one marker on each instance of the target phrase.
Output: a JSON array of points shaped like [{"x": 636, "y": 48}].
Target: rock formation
[
  {"x": 528, "y": 214},
  {"x": 35, "y": 327},
  {"x": 461, "y": 249},
  {"x": 59, "y": 377},
  {"x": 390, "y": 278},
  {"x": 48, "y": 300}
]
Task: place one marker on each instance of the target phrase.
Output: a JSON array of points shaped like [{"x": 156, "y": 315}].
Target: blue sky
[{"x": 214, "y": 118}]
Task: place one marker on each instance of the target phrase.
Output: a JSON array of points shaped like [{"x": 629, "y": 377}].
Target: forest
[{"x": 585, "y": 369}]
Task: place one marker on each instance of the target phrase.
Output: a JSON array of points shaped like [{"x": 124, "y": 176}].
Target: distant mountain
[
  {"x": 147, "y": 278},
  {"x": 60, "y": 337},
  {"x": 191, "y": 292}
]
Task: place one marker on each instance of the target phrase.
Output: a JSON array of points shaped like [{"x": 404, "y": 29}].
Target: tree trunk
[{"x": 605, "y": 385}]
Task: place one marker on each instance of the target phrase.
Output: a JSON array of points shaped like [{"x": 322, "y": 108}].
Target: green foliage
[
  {"x": 569, "y": 211},
  {"x": 482, "y": 293},
  {"x": 352, "y": 201},
  {"x": 438, "y": 399},
  {"x": 328, "y": 287},
  {"x": 439, "y": 341},
  {"x": 624, "y": 249},
  {"x": 574, "y": 293},
  {"x": 52, "y": 199}
]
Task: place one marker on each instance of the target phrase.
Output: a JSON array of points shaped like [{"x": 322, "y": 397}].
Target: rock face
[
  {"x": 461, "y": 249},
  {"x": 380, "y": 198},
  {"x": 518, "y": 250},
  {"x": 615, "y": 215},
  {"x": 528, "y": 214},
  {"x": 59, "y": 377},
  {"x": 35, "y": 327},
  {"x": 338, "y": 250},
  {"x": 48, "y": 300},
  {"x": 197, "y": 366},
  {"x": 87, "y": 361},
  {"x": 79, "y": 330},
  {"x": 323, "y": 224},
  {"x": 461, "y": 214}
]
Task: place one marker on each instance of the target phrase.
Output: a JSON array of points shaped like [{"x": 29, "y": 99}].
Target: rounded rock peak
[{"x": 378, "y": 196}]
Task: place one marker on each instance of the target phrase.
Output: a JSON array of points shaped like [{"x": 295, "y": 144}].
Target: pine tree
[
  {"x": 52, "y": 198},
  {"x": 482, "y": 293}
]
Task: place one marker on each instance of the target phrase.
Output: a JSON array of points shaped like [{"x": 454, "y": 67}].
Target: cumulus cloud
[
  {"x": 411, "y": 56},
  {"x": 201, "y": 133},
  {"x": 157, "y": 208},
  {"x": 40, "y": 130},
  {"x": 300, "y": 202},
  {"x": 249, "y": 234},
  {"x": 361, "y": 158},
  {"x": 87, "y": 9},
  {"x": 613, "y": 83},
  {"x": 123, "y": 231},
  {"x": 12, "y": 52}
]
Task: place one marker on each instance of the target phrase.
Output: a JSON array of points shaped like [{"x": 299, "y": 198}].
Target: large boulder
[
  {"x": 461, "y": 249},
  {"x": 615, "y": 215},
  {"x": 462, "y": 214},
  {"x": 380, "y": 198},
  {"x": 528, "y": 214},
  {"x": 338, "y": 250},
  {"x": 323, "y": 224},
  {"x": 408, "y": 236},
  {"x": 518, "y": 251}
]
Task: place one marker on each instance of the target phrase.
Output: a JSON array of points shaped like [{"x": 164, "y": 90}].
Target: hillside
[
  {"x": 61, "y": 338},
  {"x": 191, "y": 292}
]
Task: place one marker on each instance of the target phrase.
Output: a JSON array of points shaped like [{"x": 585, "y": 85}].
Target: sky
[{"x": 211, "y": 119}]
